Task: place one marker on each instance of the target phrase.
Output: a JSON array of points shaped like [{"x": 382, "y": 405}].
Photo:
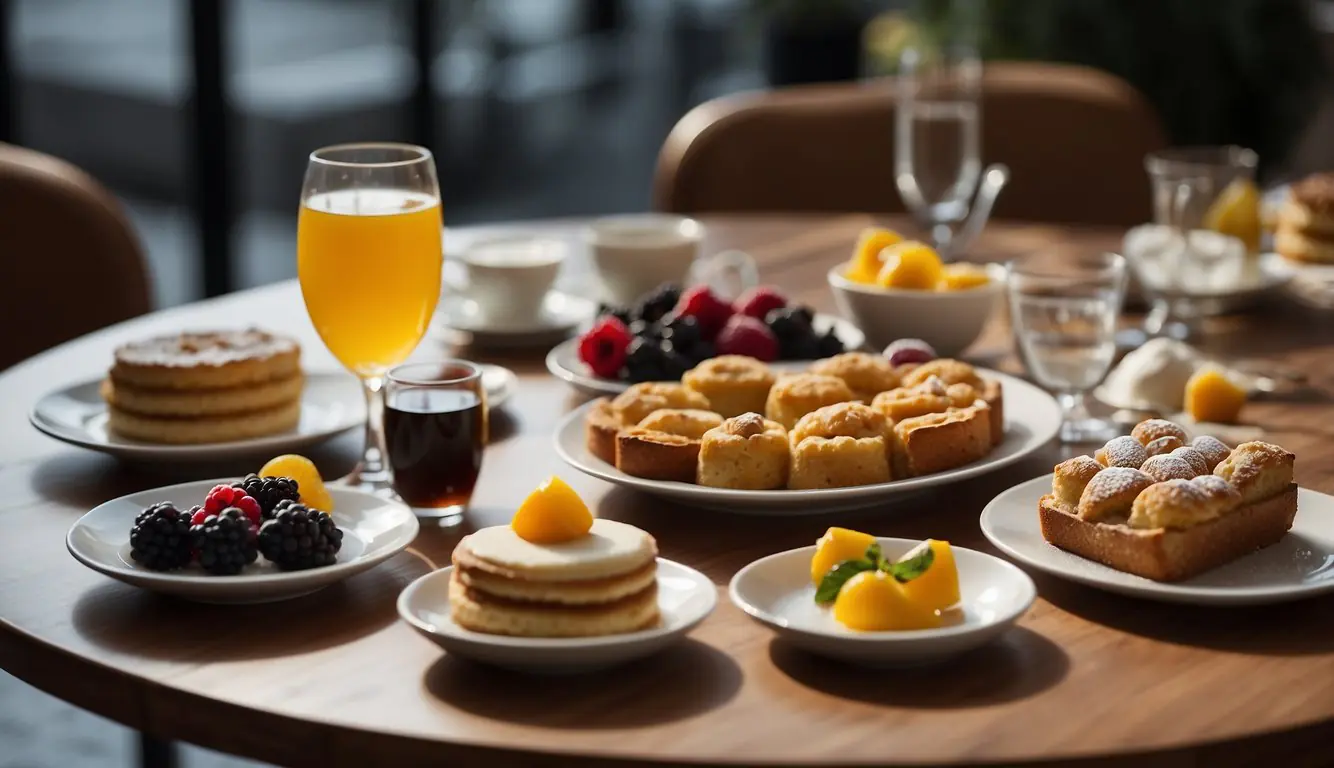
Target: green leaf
[
  {"x": 833, "y": 581},
  {"x": 873, "y": 554},
  {"x": 907, "y": 570}
]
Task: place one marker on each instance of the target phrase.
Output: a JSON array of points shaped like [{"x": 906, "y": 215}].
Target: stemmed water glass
[
  {"x": 369, "y": 259},
  {"x": 1064, "y": 312}
]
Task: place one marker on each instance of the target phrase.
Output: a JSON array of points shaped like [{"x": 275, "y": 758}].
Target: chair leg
[{"x": 156, "y": 753}]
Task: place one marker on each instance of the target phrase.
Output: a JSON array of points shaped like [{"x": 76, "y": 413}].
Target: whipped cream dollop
[{"x": 1153, "y": 377}]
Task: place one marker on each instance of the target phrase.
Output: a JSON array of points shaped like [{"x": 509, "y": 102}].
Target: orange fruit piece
[
  {"x": 551, "y": 514},
  {"x": 961, "y": 277},
  {"x": 307, "y": 477},
  {"x": 910, "y": 265},
  {"x": 866, "y": 261},
  {"x": 1236, "y": 212},
  {"x": 873, "y": 601},
  {"x": 937, "y": 588},
  {"x": 1212, "y": 396},
  {"x": 835, "y": 546}
]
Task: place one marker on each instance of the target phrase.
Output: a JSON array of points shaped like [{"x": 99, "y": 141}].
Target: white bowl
[
  {"x": 685, "y": 598},
  {"x": 950, "y": 321},
  {"x": 776, "y": 591}
]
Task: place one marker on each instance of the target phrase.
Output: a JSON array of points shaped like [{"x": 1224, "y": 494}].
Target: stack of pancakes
[
  {"x": 1304, "y": 229},
  {"x": 603, "y": 583},
  {"x": 205, "y": 387}
]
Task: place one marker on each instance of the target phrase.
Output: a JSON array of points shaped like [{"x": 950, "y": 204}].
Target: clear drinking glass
[
  {"x": 368, "y": 259},
  {"x": 1064, "y": 314},
  {"x": 435, "y": 431},
  {"x": 1184, "y": 262},
  {"x": 937, "y": 158}
]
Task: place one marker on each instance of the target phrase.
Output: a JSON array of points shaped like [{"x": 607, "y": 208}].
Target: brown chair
[
  {"x": 1074, "y": 138},
  {"x": 72, "y": 261}
]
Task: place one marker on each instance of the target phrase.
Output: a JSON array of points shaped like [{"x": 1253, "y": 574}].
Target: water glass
[
  {"x": 1064, "y": 313},
  {"x": 435, "y": 432},
  {"x": 937, "y": 157}
]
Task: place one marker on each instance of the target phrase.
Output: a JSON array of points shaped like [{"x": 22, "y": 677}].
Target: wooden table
[{"x": 337, "y": 679}]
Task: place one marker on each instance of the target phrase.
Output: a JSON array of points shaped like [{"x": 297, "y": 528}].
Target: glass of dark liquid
[{"x": 435, "y": 430}]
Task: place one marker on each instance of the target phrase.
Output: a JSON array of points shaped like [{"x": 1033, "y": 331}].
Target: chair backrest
[
  {"x": 1074, "y": 138},
  {"x": 70, "y": 262}
]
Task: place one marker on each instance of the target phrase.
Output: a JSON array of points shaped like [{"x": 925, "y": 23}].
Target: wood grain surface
[{"x": 337, "y": 679}]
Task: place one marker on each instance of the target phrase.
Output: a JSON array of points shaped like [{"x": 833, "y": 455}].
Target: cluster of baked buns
[
  {"x": 852, "y": 419},
  {"x": 1304, "y": 226},
  {"x": 208, "y": 387},
  {"x": 1156, "y": 505}
]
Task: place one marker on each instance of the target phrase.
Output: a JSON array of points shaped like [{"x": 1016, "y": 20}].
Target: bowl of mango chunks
[{"x": 893, "y": 288}]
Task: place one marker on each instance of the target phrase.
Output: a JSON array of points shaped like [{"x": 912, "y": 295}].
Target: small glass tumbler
[
  {"x": 1064, "y": 313},
  {"x": 435, "y": 431}
]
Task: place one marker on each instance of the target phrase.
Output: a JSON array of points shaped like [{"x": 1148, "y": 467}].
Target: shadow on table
[
  {"x": 1284, "y": 629},
  {"x": 1020, "y": 664},
  {"x": 127, "y": 619},
  {"x": 686, "y": 680}
]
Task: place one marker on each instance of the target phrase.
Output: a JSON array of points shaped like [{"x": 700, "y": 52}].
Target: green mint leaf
[
  {"x": 874, "y": 555},
  {"x": 907, "y": 570},
  {"x": 838, "y": 576}
]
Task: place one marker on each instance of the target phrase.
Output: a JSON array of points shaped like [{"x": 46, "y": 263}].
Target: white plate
[
  {"x": 777, "y": 592},
  {"x": 1236, "y": 280},
  {"x": 1300, "y": 565},
  {"x": 499, "y": 383},
  {"x": 685, "y": 598},
  {"x": 1032, "y": 418},
  {"x": 374, "y": 529},
  {"x": 561, "y": 314},
  {"x": 331, "y": 404},
  {"x": 564, "y": 363}
]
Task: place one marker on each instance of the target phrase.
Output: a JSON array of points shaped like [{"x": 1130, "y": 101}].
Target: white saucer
[
  {"x": 499, "y": 383},
  {"x": 332, "y": 403},
  {"x": 564, "y": 363},
  {"x": 777, "y": 592},
  {"x": 1300, "y": 565},
  {"x": 1235, "y": 281},
  {"x": 685, "y": 598},
  {"x": 1032, "y": 418},
  {"x": 561, "y": 314},
  {"x": 374, "y": 530}
]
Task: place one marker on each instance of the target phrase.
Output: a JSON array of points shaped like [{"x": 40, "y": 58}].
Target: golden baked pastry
[
  {"x": 1182, "y": 504},
  {"x": 202, "y": 361},
  {"x": 1152, "y": 429},
  {"x": 733, "y": 384},
  {"x": 1111, "y": 492},
  {"x": 795, "y": 396},
  {"x": 1304, "y": 230},
  {"x": 841, "y": 420},
  {"x": 838, "y": 462},
  {"x": 665, "y": 444},
  {"x": 1165, "y": 467},
  {"x": 931, "y": 396},
  {"x": 632, "y": 405},
  {"x": 958, "y": 372},
  {"x": 1071, "y": 477},
  {"x": 1162, "y": 445},
  {"x": 600, "y": 428},
  {"x": 1123, "y": 451},
  {"x": 204, "y": 429},
  {"x": 867, "y": 375},
  {"x": 1213, "y": 450},
  {"x": 1198, "y": 464},
  {"x": 1257, "y": 470},
  {"x": 747, "y": 452},
  {"x": 938, "y": 441}
]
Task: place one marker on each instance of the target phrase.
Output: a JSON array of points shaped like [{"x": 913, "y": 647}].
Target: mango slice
[
  {"x": 1212, "y": 396},
  {"x": 1236, "y": 212},
  {"x": 938, "y": 588},
  {"x": 835, "y": 546},
  {"x": 910, "y": 265},
  {"x": 866, "y": 261},
  {"x": 873, "y": 601},
  {"x": 962, "y": 277},
  {"x": 551, "y": 514}
]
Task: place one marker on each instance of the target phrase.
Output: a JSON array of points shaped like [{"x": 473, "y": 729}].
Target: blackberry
[
  {"x": 643, "y": 361},
  {"x": 658, "y": 303},
  {"x": 684, "y": 333},
  {"x": 643, "y": 329},
  {"x": 299, "y": 537},
  {"x": 268, "y": 491},
  {"x": 160, "y": 538},
  {"x": 829, "y": 344},
  {"x": 225, "y": 542},
  {"x": 624, "y": 314}
]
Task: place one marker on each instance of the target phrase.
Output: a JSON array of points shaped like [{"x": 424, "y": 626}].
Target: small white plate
[
  {"x": 685, "y": 598},
  {"x": 331, "y": 404},
  {"x": 1300, "y": 565},
  {"x": 561, "y": 314},
  {"x": 777, "y": 592},
  {"x": 564, "y": 363},
  {"x": 1032, "y": 418},
  {"x": 374, "y": 529},
  {"x": 499, "y": 383}
]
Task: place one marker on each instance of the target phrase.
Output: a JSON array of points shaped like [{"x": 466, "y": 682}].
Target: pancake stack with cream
[
  {"x": 1304, "y": 230},
  {"x": 567, "y": 575},
  {"x": 205, "y": 387}
]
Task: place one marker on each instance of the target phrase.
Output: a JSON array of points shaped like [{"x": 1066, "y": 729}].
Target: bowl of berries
[
  {"x": 670, "y": 330},
  {"x": 261, "y": 538}
]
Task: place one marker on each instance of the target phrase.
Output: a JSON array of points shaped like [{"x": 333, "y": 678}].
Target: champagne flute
[
  {"x": 937, "y": 158},
  {"x": 369, "y": 259}
]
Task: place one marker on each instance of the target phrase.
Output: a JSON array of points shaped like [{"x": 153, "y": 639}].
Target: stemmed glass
[
  {"x": 937, "y": 159},
  {"x": 1064, "y": 314},
  {"x": 368, "y": 259}
]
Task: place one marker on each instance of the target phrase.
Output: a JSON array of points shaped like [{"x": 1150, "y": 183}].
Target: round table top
[{"x": 336, "y": 678}]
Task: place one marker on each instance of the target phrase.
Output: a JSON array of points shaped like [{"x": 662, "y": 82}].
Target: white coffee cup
[
  {"x": 510, "y": 277},
  {"x": 635, "y": 253}
]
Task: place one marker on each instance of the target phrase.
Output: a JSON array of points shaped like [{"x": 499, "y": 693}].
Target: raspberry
[
  {"x": 197, "y": 515},
  {"x": 745, "y": 335},
  {"x": 906, "y": 351},
  {"x": 603, "y": 348},
  {"x": 759, "y": 302},
  {"x": 224, "y": 496},
  {"x": 708, "y": 310}
]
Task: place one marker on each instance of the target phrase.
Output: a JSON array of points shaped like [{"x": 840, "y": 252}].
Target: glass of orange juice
[{"x": 368, "y": 255}]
